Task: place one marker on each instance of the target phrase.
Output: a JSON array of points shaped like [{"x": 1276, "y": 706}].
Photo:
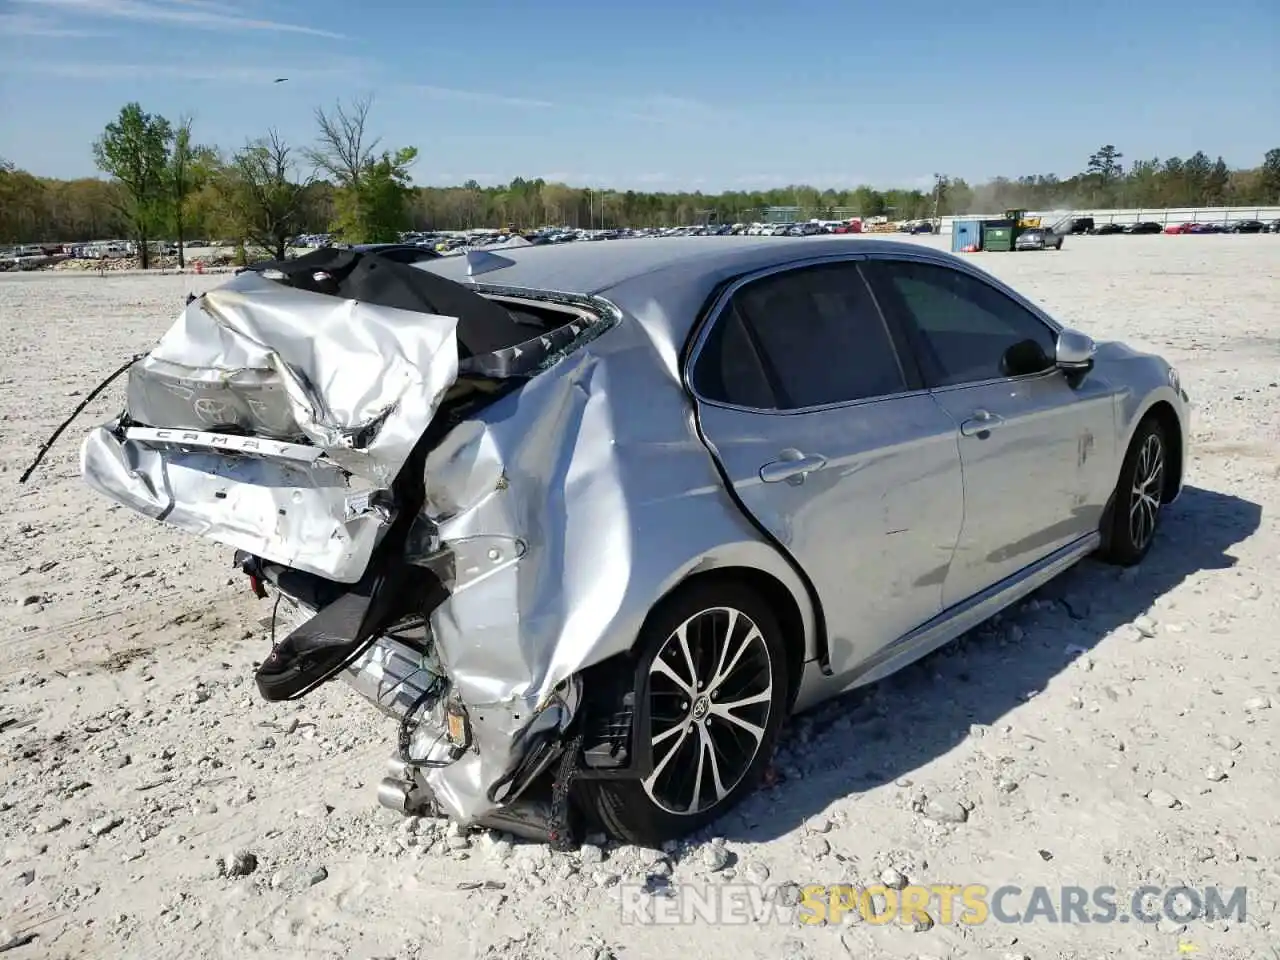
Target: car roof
[
  {"x": 601, "y": 266},
  {"x": 662, "y": 282}
]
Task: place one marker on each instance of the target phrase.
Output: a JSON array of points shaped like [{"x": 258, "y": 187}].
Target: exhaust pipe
[
  {"x": 397, "y": 769},
  {"x": 394, "y": 795},
  {"x": 407, "y": 797}
]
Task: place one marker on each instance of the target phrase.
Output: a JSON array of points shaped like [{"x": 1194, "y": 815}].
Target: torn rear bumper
[{"x": 306, "y": 513}]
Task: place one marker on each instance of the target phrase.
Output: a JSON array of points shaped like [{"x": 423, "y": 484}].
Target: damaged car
[{"x": 591, "y": 520}]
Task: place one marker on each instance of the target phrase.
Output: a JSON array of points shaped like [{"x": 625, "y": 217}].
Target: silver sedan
[{"x": 637, "y": 501}]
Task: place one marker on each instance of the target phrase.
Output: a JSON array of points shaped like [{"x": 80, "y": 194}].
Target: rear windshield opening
[
  {"x": 548, "y": 331},
  {"x": 500, "y": 333},
  {"x": 543, "y": 316}
]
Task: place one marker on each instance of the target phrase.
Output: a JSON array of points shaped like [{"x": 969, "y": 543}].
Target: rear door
[
  {"x": 1038, "y": 466},
  {"x": 834, "y": 447}
]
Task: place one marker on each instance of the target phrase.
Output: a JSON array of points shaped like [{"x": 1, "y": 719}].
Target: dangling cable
[{"x": 45, "y": 447}]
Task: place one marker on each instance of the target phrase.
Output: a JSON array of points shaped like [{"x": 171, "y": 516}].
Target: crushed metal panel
[
  {"x": 275, "y": 420},
  {"x": 554, "y": 517},
  {"x": 357, "y": 380}
]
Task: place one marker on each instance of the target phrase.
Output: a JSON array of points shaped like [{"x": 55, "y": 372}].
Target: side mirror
[{"x": 1073, "y": 354}]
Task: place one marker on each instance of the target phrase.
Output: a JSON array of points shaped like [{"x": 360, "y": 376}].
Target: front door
[
  {"x": 1038, "y": 468},
  {"x": 833, "y": 447}
]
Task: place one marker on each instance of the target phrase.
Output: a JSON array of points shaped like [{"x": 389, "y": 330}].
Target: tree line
[{"x": 162, "y": 183}]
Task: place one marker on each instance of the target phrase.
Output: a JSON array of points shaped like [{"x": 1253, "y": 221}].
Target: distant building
[
  {"x": 796, "y": 214},
  {"x": 780, "y": 214}
]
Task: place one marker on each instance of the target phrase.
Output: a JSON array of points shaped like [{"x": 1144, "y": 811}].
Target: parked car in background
[
  {"x": 1038, "y": 238},
  {"x": 1082, "y": 225},
  {"x": 1248, "y": 226},
  {"x": 1106, "y": 229},
  {"x": 807, "y": 229},
  {"x": 561, "y": 561},
  {"x": 1145, "y": 226}
]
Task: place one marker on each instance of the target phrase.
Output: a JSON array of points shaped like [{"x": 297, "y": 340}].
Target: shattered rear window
[{"x": 544, "y": 351}]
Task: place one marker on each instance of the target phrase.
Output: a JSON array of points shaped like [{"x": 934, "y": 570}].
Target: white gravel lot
[{"x": 1088, "y": 751}]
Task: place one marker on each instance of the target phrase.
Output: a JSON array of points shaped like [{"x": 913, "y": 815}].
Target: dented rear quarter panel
[{"x": 596, "y": 468}]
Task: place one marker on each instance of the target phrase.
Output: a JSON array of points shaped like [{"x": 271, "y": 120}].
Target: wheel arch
[
  {"x": 1162, "y": 411},
  {"x": 797, "y": 634},
  {"x": 611, "y": 681}
]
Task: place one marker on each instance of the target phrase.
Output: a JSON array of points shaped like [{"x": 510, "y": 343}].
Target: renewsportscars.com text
[{"x": 968, "y": 905}]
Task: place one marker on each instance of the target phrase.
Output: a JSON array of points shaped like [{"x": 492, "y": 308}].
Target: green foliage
[
  {"x": 159, "y": 176},
  {"x": 22, "y": 198},
  {"x": 1269, "y": 176},
  {"x": 134, "y": 150},
  {"x": 372, "y": 190},
  {"x": 376, "y": 209},
  {"x": 190, "y": 167},
  {"x": 262, "y": 197},
  {"x": 1150, "y": 184}
]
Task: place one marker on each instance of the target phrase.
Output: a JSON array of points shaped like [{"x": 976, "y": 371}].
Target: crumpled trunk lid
[{"x": 275, "y": 420}]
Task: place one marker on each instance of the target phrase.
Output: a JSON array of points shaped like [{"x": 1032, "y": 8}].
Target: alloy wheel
[
  {"x": 710, "y": 693},
  {"x": 1148, "y": 485}
]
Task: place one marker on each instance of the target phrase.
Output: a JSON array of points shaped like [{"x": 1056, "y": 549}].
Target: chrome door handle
[
  {"x": 982, "y": 421},
  {"x": 791, "y": 469}
]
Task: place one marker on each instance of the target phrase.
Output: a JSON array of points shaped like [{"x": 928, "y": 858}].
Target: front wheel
[
  {"x": 717, "y": 692},
  {"x": 1135, "y": 510}
]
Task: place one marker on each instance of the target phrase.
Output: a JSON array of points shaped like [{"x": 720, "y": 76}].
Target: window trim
[
  {"x": 992, "y": 283},
  {"x": 908, "y": 363}
]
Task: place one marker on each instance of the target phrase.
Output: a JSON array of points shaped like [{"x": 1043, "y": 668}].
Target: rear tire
[
  {"x": 717, "y": 691},
  {"x": 1135, "y": 506}
]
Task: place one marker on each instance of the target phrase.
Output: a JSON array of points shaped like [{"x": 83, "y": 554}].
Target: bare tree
[
  {"x": 265, "y": 199},
  {"x": 342, "y": 150}
]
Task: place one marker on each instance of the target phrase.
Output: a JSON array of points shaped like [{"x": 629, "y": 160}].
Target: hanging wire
[{"x": 48, "y": 444}]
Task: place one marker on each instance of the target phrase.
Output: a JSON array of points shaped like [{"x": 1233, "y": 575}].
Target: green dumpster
[{"x": 998, "y": 238}]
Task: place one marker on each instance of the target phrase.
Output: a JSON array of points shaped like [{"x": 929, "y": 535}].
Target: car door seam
[
  {"x": 821, "y": 644},
  {"x": 964, "y": 494}
]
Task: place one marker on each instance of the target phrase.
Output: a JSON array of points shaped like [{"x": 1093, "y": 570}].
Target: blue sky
[{"x": 659, "y": 94}]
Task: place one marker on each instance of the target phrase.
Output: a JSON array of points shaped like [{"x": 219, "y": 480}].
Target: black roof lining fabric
[{"x": 483, "y": 326}]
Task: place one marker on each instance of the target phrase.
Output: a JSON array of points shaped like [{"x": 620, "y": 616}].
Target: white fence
[{"x": 1163, "y": 216}]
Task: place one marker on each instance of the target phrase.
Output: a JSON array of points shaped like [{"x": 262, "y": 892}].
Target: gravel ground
[{"x": 1115, "y": 730}]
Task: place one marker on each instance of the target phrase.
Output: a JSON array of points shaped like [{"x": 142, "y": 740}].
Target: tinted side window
[
  {"x": 820, "y": 335},
  {"x": 728, "y": 367},
  {"x": 964, "y": 325}
]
